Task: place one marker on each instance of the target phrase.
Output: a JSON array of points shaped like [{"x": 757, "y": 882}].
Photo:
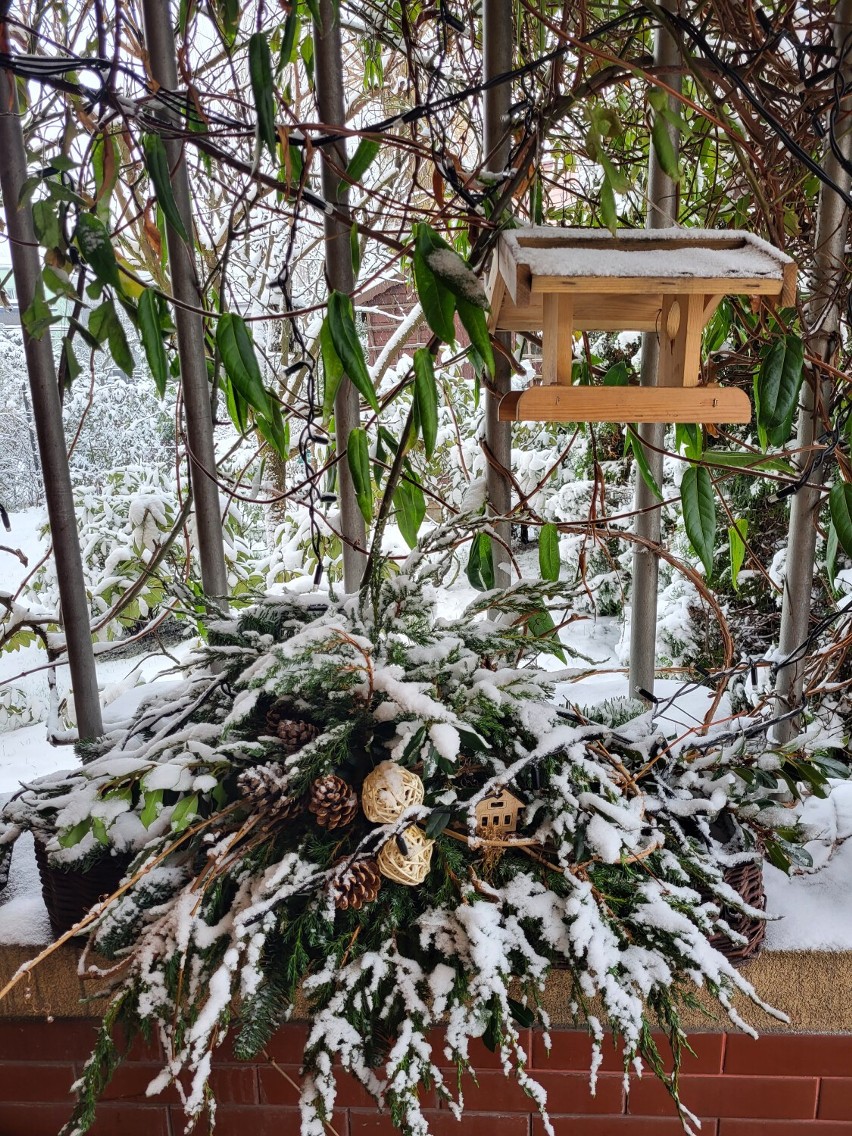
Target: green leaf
[
  {"x": 840, "y": 507},
  {"x": 158, "y": 170},
  {"x": 608, "y": 212},
  {"x": 152, "y": 339},
  {"x": 664, "y": 148},
  {"x": 152, "y": 807},
  {"x": 362, "y": 159},
  {"x": 737, "y": 535},
  {"x": 410, "y": 505},
  {"x": 437, "y": 300},
  {"x": 480, "y": 563},
  {"x": 617, "y": 376},
  {"x": 426, "y": 398},
  {"x": 184, "y": 813},
  {"x": 358, "y": 460},
  {"x": 641, "y": 459},
  {"x": 438, "y": 820},
  {"x": 237, "y": 350},
  {"x": 74, "y": 835},
  {"x": 38, "y": 317},
  {"x": 688, "y": 438},
  {"x": 93, "y": 242},
  {"x": 699, "y": 514},
  {"x": 344, "y": 337},
  {"x": 291, "y": 24},
  {"x": 262, "y": 87},
  {"x": 46, "y": 222},
  {"x": 541, "y": 626},
  {"x": 332, "y": 369},
  {"x": 355, "y": 250},
  {"x": 746, "y": 459},
  {"x": 523, "y": 1015},
  {"x": 99, "y": 831},
  {"x": 475, "y": 323},
  {"x": 776, "y": 388},
  {"x": 831, "y": 546},
  {"x": 548, "y": 552},
  {"x": 119, "y": 348}
]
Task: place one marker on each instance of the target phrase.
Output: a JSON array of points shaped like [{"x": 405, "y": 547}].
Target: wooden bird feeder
[
  {"x": 497, "y": 814},
  {"x": 558, "y": 281}
]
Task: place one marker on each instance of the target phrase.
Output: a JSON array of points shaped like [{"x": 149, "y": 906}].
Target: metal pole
[
  {"x": 331, "y": 104},
  {"x": 497, "y": 40},
  {"x": 824, "y": 315},
  {"x": 662, "y": 211},
  {"x": 47, "y": 411},
  {"x": 160, "y": 42}
]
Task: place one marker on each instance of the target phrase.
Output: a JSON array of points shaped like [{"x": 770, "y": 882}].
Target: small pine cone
[
  {"x": 358, "y": 885},
  {"x": 333, "y": 801},
  {"x": 293, "y": 733},
  {"x": 263, "y": 787},
  {"x": 280, "y": 708}
]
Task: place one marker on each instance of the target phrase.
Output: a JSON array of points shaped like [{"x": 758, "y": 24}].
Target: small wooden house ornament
[
  {"x": 497, "y": 814},
  {"x": 557, "y": 281}
]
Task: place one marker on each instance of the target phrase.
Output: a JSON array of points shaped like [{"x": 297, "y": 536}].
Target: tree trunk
[
  {"x": 331, "y": 105},
  {"x": 160, "y": 42},
  {"x": 661, "y": 212},
  {"x": 47, "y": 410},
  {"x": 497, "y": 39},
  {"x": 824, "y": 314}
]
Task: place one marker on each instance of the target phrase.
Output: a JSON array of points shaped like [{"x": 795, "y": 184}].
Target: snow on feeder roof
[{"x": 558, "y": 281}]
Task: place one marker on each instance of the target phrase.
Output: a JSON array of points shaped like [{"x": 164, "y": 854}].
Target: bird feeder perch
[{"x": 669, "y": 281}]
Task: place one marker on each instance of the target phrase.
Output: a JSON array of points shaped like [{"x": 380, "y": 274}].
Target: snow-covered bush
[
  {"x": 130, "y": 536},
  {"x": 233, "y": 903}
]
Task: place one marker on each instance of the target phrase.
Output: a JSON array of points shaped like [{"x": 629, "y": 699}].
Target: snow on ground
[{"x": 814, "y": 906}]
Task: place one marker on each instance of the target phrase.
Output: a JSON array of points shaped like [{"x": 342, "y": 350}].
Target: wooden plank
[
  {"x": 515, "y": 275},
  {"x": 557, "y": 340},
  {"x": 668, "y": 285},
  {"x": 789, "y": 291},
  {"x": 626, "y": 404},
  {"x": 591, "y": 313},
  {"x": 495, "y": 289},
  {"x": 711, "y": 303},
  {"x": 681, "y": 321}
]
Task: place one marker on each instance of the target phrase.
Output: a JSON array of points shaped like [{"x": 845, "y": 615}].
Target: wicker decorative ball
[
  {"x": 411, "y": 866},
  {"x": 388, "y": 791}
]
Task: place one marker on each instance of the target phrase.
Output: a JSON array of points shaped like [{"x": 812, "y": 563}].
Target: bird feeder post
[{"x": 557, "y": 339}]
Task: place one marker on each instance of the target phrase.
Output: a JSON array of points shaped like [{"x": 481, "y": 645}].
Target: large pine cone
[
  {"x": 292, "y": 734},
  {"x": 358, "y": 885},
  {"x": 333, "y": 801},
  {"x": 263, "y": 786},
  {"x": 281, "y": 708}
]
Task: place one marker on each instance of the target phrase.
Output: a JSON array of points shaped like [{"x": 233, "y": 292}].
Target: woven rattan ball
[
  {"x": 388, "y": 791},
  {"x": 412, "y": 866}
]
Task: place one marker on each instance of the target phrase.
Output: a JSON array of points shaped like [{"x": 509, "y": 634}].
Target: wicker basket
[
  {"x": 70, "y": 893},
  {"x": 747, "y": 880}
]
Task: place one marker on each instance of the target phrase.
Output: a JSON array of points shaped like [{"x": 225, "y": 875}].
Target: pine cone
[
  {"x": 358, "y": 885},
  {"x": 280, "y": 708},
  {"x": 333, "y": 801},
  {"x": 264, "y": 788},
  {"x": 293, "y": 733}
]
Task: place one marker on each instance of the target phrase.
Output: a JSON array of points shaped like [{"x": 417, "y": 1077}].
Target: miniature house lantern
[
  {"x": 497, "y": 814},
  {"x": 558, "y": 281}
]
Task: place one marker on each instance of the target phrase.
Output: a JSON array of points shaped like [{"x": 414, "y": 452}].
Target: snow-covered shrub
[
  {"x": 128, "y": 534},
  {"x": 232, "y": 904}
]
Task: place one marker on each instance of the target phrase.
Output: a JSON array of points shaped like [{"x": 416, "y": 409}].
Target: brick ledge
[{"x": 814, "y": 988}]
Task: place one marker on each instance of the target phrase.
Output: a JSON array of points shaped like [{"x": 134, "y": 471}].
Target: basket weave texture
[
  {"x": 747, "y": 880},
  {"x": 70, "y": 894}
]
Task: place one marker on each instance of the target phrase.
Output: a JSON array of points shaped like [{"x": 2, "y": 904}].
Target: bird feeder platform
[{"x": 554, "y": 282}]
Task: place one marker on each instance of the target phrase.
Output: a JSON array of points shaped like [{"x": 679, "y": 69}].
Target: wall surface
[{"x": 780, "y": 1085}]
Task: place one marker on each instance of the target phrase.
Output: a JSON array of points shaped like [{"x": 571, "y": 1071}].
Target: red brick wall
[{"x": 778, "y": 1086}]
